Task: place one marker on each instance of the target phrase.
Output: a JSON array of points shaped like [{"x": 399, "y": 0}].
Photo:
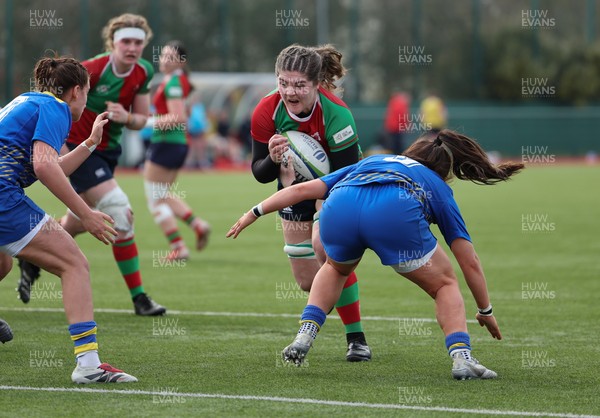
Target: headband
[{"x": 129, "y": 33}]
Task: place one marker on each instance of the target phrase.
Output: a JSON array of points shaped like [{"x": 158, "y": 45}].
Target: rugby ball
[{"x": 309, "y": 158}]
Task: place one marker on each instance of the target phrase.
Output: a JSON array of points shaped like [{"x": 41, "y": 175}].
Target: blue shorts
[
  {"x": 19, "y": 215},
  {"x": 382, "y": 217},
  {"x": 98, "y": 168},
  {"x": 167, "y": 155}
]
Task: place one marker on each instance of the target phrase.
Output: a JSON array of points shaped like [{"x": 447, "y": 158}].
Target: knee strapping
[
  {"x": 303, "y": 249},
  {"x": 116, "y": 204},
  {"x": 155, "y": 192},
  {"x": 161, "y": 212}
]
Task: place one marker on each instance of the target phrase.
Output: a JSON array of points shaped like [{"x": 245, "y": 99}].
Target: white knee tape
[
  {"x": 116, "y": 204},
  {"x": 155, "y": 192},
  {"x": 303, "y": 249},
  {"x": 161, "y": 212}
]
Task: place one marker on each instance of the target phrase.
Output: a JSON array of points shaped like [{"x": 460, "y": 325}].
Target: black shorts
[
  {"x": 167, "y": 155},
  {"x": 300, "y": 212},
  {"x": 98, "y": 168}
]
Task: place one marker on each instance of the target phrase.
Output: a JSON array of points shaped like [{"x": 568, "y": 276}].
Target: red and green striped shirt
[
  {"x": 174, "y": 86},
  {"x": 331, "y": 122},
  {"x": 107, "y": 85}
]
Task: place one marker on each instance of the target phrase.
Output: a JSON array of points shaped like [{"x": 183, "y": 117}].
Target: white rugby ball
[{"x": 309, "y": 157}]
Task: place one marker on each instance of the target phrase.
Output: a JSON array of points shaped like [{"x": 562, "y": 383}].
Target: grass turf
[{"x": 536, "y": 237}]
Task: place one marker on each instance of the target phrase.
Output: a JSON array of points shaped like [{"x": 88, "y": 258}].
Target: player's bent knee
[
  {"x": 116, "y": 205},
  {"x": 319, "y": 250},
  {"x": 82, "y": 265},
  {"x": 444, "y": 282},
  {"x": 73, "y": 258},
  {"x": 155, "y": 192},
  {"x": 302, "y": 250},
  {"x": 161, "y": 212}
]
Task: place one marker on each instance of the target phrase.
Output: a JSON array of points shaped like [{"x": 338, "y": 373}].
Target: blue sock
[
  {"x": 312, "y": 320},
  {"x": 83, "y": 335},
  {"x": 459, "y": 342}
]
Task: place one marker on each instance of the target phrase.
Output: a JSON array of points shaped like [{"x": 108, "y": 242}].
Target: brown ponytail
[
  {"x": 452, "y": 153},
  {"x": 331, "y": 67},
  {"x": 58, "y": 75},
  {"x": 320, "y": 64}
]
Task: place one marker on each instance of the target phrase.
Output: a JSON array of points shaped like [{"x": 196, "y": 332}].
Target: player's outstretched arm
[
  {"x": 72, "y": 160},
  {"x": 470, "y": 265},
  {"x": 314, "y": 189}
]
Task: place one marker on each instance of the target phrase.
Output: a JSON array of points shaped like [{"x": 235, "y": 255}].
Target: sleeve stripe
[{"x": 344, "y": 145}]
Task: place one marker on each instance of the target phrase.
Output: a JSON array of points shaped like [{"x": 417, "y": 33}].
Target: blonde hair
[{"x": 127, "y": 20}]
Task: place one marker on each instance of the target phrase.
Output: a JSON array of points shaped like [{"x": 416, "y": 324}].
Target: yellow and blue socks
[
  {"x": 312, "y": 320},
  {"x": 83, "y": 335},
  {"x": 459, "y": 344}
]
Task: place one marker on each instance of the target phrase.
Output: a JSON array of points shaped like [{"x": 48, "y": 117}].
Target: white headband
[{"x": 129, "y": 33}]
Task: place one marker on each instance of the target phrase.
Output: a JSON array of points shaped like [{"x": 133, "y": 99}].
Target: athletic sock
[
  {"x": 188, "y": 218},
  {"x": 175, "y": 239},
  {"x": 126, "y": 255},
  {"x": 83, "y": 335},
  {"x": 348, "y": 308},
  {"x": 459, "y": 344},
  {"x": 193, "y": 222},
  {"x": 312, "y": 320}
]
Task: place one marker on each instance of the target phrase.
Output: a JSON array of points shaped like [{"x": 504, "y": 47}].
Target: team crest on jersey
[
  {"x": 175, "y": 91},
  {"x": 102, "y": 89}
]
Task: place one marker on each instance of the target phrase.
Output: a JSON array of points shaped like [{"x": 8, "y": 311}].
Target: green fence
[{"x": 569, "y": 131}]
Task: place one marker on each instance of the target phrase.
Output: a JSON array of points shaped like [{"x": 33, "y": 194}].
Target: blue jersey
[
  {"x": 425, "y": 185},
  {"x": 29, "y": 117}
]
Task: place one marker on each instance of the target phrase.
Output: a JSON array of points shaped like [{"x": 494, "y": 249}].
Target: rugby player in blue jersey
[
  {"x": 33, "y": 128},
  {"x": 386, "y": 203}
]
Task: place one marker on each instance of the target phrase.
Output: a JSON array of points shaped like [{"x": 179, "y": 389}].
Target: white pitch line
[
  {"x": 242, "y": 314},
  {"x": 165, "y": 394}
]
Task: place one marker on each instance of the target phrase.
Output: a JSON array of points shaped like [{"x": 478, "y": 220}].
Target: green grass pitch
[{"x": 537, "y": 237}]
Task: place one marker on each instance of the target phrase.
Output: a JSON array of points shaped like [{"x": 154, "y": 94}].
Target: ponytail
[
  {"x": 331, "y": 66},
  {"x": 58, "y": 75},
  {"x": 450, "y": 153}
]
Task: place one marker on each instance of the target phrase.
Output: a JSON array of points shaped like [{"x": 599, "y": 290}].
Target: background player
[
  {"x": 33, "y": 128},
  {"x": 167, "y": 153},
  {"x": 119, "y": 81},
  {"x": 386, "y": 203},
  {"x": 304, "y": 101}
]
